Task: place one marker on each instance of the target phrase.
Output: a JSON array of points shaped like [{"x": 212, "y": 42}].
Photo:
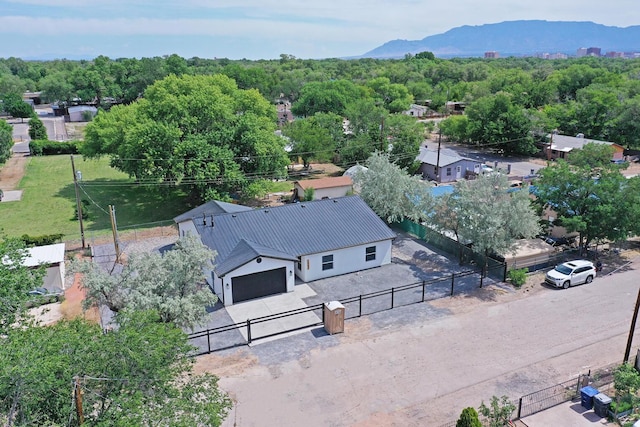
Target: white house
[
  {"x": 51, "y": 256},
  {"x": 324, "y": 188},
  {"x": 261, "y": 251},
  {"x": 417, "y": 111},
  {"x": 80, "y": 113}
]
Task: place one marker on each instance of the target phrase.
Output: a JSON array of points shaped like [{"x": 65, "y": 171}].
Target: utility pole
[
  {"x": 78, "y": 202},
  {"x": 77, "y": 394},
  {"x": 632, "y": 329},
  {"x": 114, "y": 230},
  {"x": 438, "y": 157}
]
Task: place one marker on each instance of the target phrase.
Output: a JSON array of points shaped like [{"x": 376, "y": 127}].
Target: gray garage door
[{"x": 258, "y": 285}]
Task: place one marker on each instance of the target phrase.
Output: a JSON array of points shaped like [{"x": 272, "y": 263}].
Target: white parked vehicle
[{"x": 571, "y": 273}]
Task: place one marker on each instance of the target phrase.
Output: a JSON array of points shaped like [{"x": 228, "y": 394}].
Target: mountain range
[{"x": 516, "y": 38}]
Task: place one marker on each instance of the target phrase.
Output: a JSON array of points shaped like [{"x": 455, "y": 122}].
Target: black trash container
[
  {"x": 601, "y": 403},
  {"x": 586, "y": 396}
]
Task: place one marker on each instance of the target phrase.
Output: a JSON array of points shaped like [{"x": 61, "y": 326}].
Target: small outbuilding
[
  {"x": 323, "y": 188},
  {"x": 51, "y": 256},
  {"x": 528, "y": 253}
]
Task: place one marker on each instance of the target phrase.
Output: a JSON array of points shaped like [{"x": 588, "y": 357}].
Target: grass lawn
[{"x": 48, "y": 200}]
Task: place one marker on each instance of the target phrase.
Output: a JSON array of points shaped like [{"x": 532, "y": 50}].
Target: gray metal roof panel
[
  {"x": 245, "y": 252},
  {"x": 213, "y": 207},
  {"x": 298, "y": 229}
]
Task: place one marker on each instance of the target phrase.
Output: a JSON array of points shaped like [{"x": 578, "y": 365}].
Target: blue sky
[{"x": 262, "y": 29}]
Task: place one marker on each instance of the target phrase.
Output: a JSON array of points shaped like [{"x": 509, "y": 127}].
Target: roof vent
[
  {"x": 233, "y": 215},
  {"x": 335, "y": 201},
  {"x": 303, "y": 206},
  {"x": 266, "y": 211}
]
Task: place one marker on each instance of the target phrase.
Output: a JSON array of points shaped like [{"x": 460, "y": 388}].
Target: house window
[
  {"x": 370, "y": 253},
  {"x": 327, "y": 262},
  {"x": 458, "y": 169},
  {"x": 448, "y": 171}
]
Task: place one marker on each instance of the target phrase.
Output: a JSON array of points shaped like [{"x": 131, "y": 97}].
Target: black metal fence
[
  {"x": 549, "y": 397},
  {"x": 238, "y": 334}
]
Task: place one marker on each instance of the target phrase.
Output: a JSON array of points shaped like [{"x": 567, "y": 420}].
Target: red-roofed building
[{"x": 324, "y": 188}]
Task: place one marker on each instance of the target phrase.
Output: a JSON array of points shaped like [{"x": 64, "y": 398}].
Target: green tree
[
  {"x": 455, "y": 128},
  {"x": 172, "y": 284},
  {"x": 326, "y": 97},
  {"x": 491, "y": 217},
  {"x": 37, "y": 129},
  {"x": 468, "y": 418},
  {"x": 499, "y": 411},
  {"x": 404, "y": 135},
  {"x": 17, "y": 280},
  {"x": 314, "y": 137},
  {"x": 590, "y": 195},
  {"x": 17, "y": 107},
  {"x": 445, "y": 218},
  {"x": 393, "y": 96},
  {"x": 200, "y": 130},
  {"x": 495, "y": 119},
  {"x": 137, "y": 374},
  {"x": 6, "y": 141}
]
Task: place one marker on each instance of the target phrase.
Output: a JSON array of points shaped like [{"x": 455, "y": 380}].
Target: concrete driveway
[
  {"x": 569, "y": 414},
  {"x": 430, "y": 360}
]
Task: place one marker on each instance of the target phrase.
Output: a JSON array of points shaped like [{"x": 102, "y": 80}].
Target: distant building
[
  {"x": 417, "y": 111},
  {"x": 593, "y": 51},
  {"x": 614, "y": 54},
  {"x": 581, "y": 52},
  {"x": 491, "y": 54}
]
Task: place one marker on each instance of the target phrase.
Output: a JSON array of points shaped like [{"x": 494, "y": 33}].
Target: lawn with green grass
[{"x": 48, "y": 200}]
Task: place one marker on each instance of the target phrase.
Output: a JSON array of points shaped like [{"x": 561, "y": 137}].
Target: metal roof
[
  {"x": 245, "y": 252},
  {"x": 49, "y": 254},
  {"x": 567, "y": 143},
  {"x": 447, "y": 157},
  {"x": 213, "y": 207},
  {"x": 294, "y": 229}
]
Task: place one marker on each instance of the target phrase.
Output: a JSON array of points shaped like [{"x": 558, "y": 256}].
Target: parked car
[
  {"x": 486, "y": 169},
  {"x": 571, "y": 273},
  {"x": 559, "y": 241},
  {"x": 43, "y": 295}
]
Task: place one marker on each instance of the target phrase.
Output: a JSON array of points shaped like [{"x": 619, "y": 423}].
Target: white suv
[{"x": 571, "y": 273}]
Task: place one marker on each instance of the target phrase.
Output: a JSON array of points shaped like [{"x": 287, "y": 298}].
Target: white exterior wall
[
  {"x": 54, "y": 277},
  {"x": 187, "y": 227},
  {"x": 347, "y": 260},
  {"x": 222, "y": 286},
  {"x": 331, "y": 193}
]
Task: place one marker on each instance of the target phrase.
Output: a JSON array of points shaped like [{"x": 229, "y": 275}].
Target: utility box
[
  {"x": 586, "y": 396},
  {"x": 601, "y": 403},
  {"x": 333, "y": 317}
]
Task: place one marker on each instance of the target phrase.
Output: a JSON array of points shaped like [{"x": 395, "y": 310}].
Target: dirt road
[{"x": 423, "y": 374}]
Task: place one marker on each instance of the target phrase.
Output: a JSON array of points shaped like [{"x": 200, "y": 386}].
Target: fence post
[
  {"x": 504, "y": 274},
  {"x": 519, "y": 408},
  {"x": 453, "y": 278},
  {"x": 360, "y": 310},
  {"x": 392, "y": 297},
  {"x": 423, "y": 283},
  {"x": 481, "y": 279},
  {"x": 248, "y": 331},
  {"x": 322, "y": 308},
  {"x": 208, "y": 341}
]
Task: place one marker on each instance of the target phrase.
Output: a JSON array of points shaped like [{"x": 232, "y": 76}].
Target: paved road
[{"x": 459, "y": 352}]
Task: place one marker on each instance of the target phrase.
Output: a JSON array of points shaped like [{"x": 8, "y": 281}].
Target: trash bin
[
  {"x": 586, "y": 396},
  {"x": 601, "y": 403},
  {"x": 333, "y": 317}
]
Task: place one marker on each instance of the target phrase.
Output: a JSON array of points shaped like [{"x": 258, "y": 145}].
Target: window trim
[
  {"x": 327, "y": 262},
  {"x": 370, "y": 253}
]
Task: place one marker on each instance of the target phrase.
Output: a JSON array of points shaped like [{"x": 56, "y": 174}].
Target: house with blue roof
[{"x": 260, "y": 252}]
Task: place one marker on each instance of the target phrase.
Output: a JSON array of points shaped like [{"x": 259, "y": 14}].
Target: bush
[
  {"x": 47, "y": 239},
  {"x": 518, "y": 277},
  {"x": 468, "y": 418},
  {"x": 43, "y": 147}
]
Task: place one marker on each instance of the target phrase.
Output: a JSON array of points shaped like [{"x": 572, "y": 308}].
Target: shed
[
  {"x": 529, "y": 252},
  {"x": 324, "y": 188},
  {"x": 51, "y": 256}
]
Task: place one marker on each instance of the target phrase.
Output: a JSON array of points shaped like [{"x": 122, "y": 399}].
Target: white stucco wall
[
  {"x": 347, "y": 260},
  {"x": 331, "y": 193},
  {"x": 222, "y": 286},
  {"x": 187, "y": 227}
]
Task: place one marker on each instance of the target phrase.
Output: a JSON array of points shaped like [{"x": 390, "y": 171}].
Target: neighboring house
[
  {"x": 561, "y": 145},
  {"x": 81, "y": 113},
  {"x": 51, "y": 256},
  {"x": 451, "y": 166},
  {"x": 454, "y": 107},
  {"x": 324, "y": 188},
  {"x": 417, "y": 111},
  {"x": 261, "y": 251},
  {"x": 186, "y": 221}
]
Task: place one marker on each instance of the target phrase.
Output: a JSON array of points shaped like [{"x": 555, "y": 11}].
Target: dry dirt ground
[{"x": 12, "y": 172}]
